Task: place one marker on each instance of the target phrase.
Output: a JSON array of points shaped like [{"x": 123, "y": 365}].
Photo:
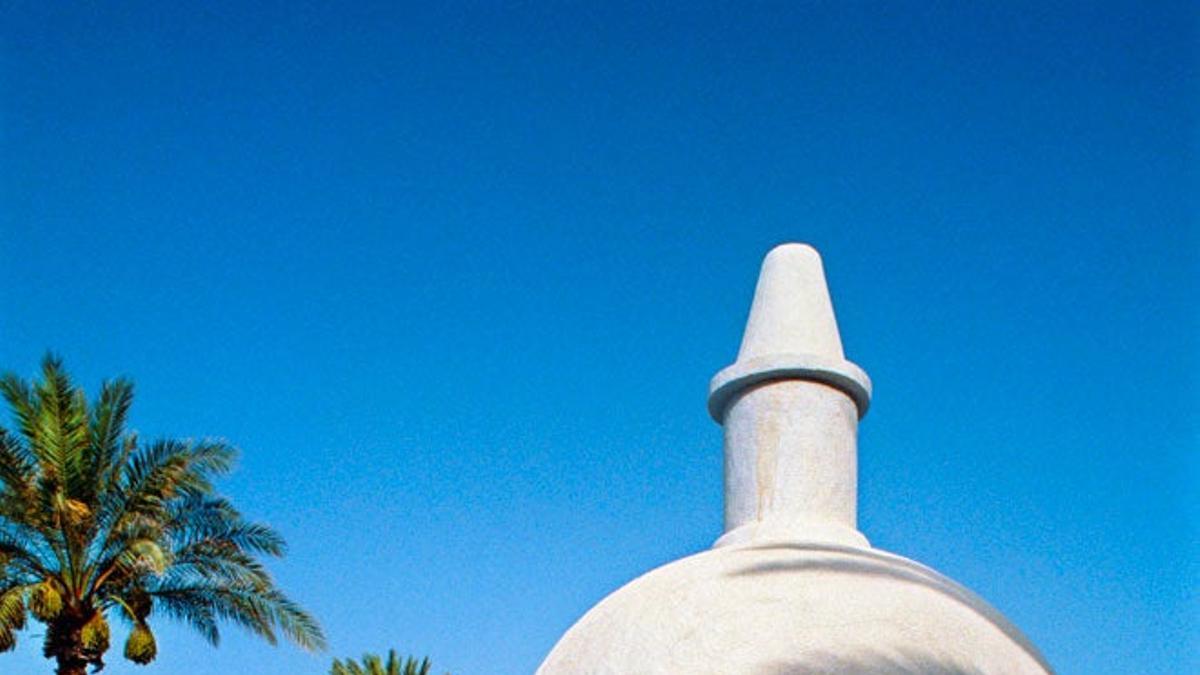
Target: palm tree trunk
[
  {"x": 64, "y": 643},
  {"x": 71, "y": 667}
]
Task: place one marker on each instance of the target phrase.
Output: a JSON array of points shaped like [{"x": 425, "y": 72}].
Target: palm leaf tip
[
  {"x": 373, "y": 664},
  {"x": 301, "y": 627}
]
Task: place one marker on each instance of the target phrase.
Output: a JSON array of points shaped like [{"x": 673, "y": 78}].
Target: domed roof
[
  {"x": 792, "y": 586},
  {"x": 786, "y": 609}
]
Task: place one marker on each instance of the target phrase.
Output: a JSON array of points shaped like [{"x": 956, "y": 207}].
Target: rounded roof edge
[{"x": 662, "y": 616}]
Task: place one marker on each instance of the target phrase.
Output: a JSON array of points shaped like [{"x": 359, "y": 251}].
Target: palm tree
[
  {"x": 373, "y": 665},
  {"x": 94, "y": 524}
]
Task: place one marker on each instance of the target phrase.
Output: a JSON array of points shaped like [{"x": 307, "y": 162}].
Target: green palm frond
[
  {"x": 12, "y": 608},
  {"x": 17, "y": 469},
  {"x": 105, "y": 429},
  {"x": 372, "y": 664},
  {"x": 19, "y": 396},
  {"x": 95, "y": 524},
  {"x": 60, "y": 441},
  {"x": 347, "y": 668}
]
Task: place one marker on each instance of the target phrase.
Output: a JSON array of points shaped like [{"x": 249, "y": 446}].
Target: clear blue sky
[{"x": 455, "y": 280}]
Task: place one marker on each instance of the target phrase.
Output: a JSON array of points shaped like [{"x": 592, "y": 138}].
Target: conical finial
[
  {"x": 791, "y": 333},
  {"x": 792, "y": 313}
]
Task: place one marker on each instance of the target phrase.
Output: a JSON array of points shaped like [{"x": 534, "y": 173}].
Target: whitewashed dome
[
  {"x": 792, "y": 586},
  {"x": 787, "y": 609}
]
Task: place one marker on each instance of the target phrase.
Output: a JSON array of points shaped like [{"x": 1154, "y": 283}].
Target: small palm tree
[
  {"x": 374, "y": 665},
  {"x": 94, "y": 524}
]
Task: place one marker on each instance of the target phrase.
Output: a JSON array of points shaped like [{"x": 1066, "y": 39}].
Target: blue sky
[{"x": 455, "y": 278}]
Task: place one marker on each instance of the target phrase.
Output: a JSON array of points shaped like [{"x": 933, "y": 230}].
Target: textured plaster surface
[
  {"x": 791, "y": 462},
  {"x": 782, "y": 609}
]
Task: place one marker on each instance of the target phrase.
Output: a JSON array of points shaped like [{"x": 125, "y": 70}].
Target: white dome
[
  {"x": 786, "y": 609},
  {"x": 792, "y": 586}
]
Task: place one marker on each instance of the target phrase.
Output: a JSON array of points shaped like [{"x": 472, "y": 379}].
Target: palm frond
[
  {"x": 347, "y": 668},
  {"x": 12, "y": 607},
  {"x": 190, "y": 607},
  {"x": 261, "y": 611},
  {"x": 20, "y": 557},
  {"x": 373, "y": 664},
  {"x": 19, "y": 396},
  {"x": 152, "y": 478},
  {"x": 61, "y": 428},
  {"x": 17, "y": 468},
  {"x": 211, "y": 519},
  {"x": 105, "y": 432}
]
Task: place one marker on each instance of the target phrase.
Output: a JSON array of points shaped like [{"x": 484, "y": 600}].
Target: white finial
[
  {"x": 790, "y": 406},
  {"x": 792, "y": 313}
]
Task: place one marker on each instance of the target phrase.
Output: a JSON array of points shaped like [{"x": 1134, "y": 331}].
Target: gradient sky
[{"x": 455, "y": 279}]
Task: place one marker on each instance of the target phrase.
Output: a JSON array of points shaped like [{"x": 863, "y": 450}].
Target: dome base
[
  {"x": 786, "y": 609},
  {"x": 806, "y": 534}
]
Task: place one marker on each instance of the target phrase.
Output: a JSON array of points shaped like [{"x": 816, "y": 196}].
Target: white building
[{"x": 792, "y": 586}]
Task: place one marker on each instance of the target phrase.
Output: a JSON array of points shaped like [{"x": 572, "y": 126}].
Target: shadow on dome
[
  {"x": 867, "y": 562},
  {"x": 900, "y": 663}
]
